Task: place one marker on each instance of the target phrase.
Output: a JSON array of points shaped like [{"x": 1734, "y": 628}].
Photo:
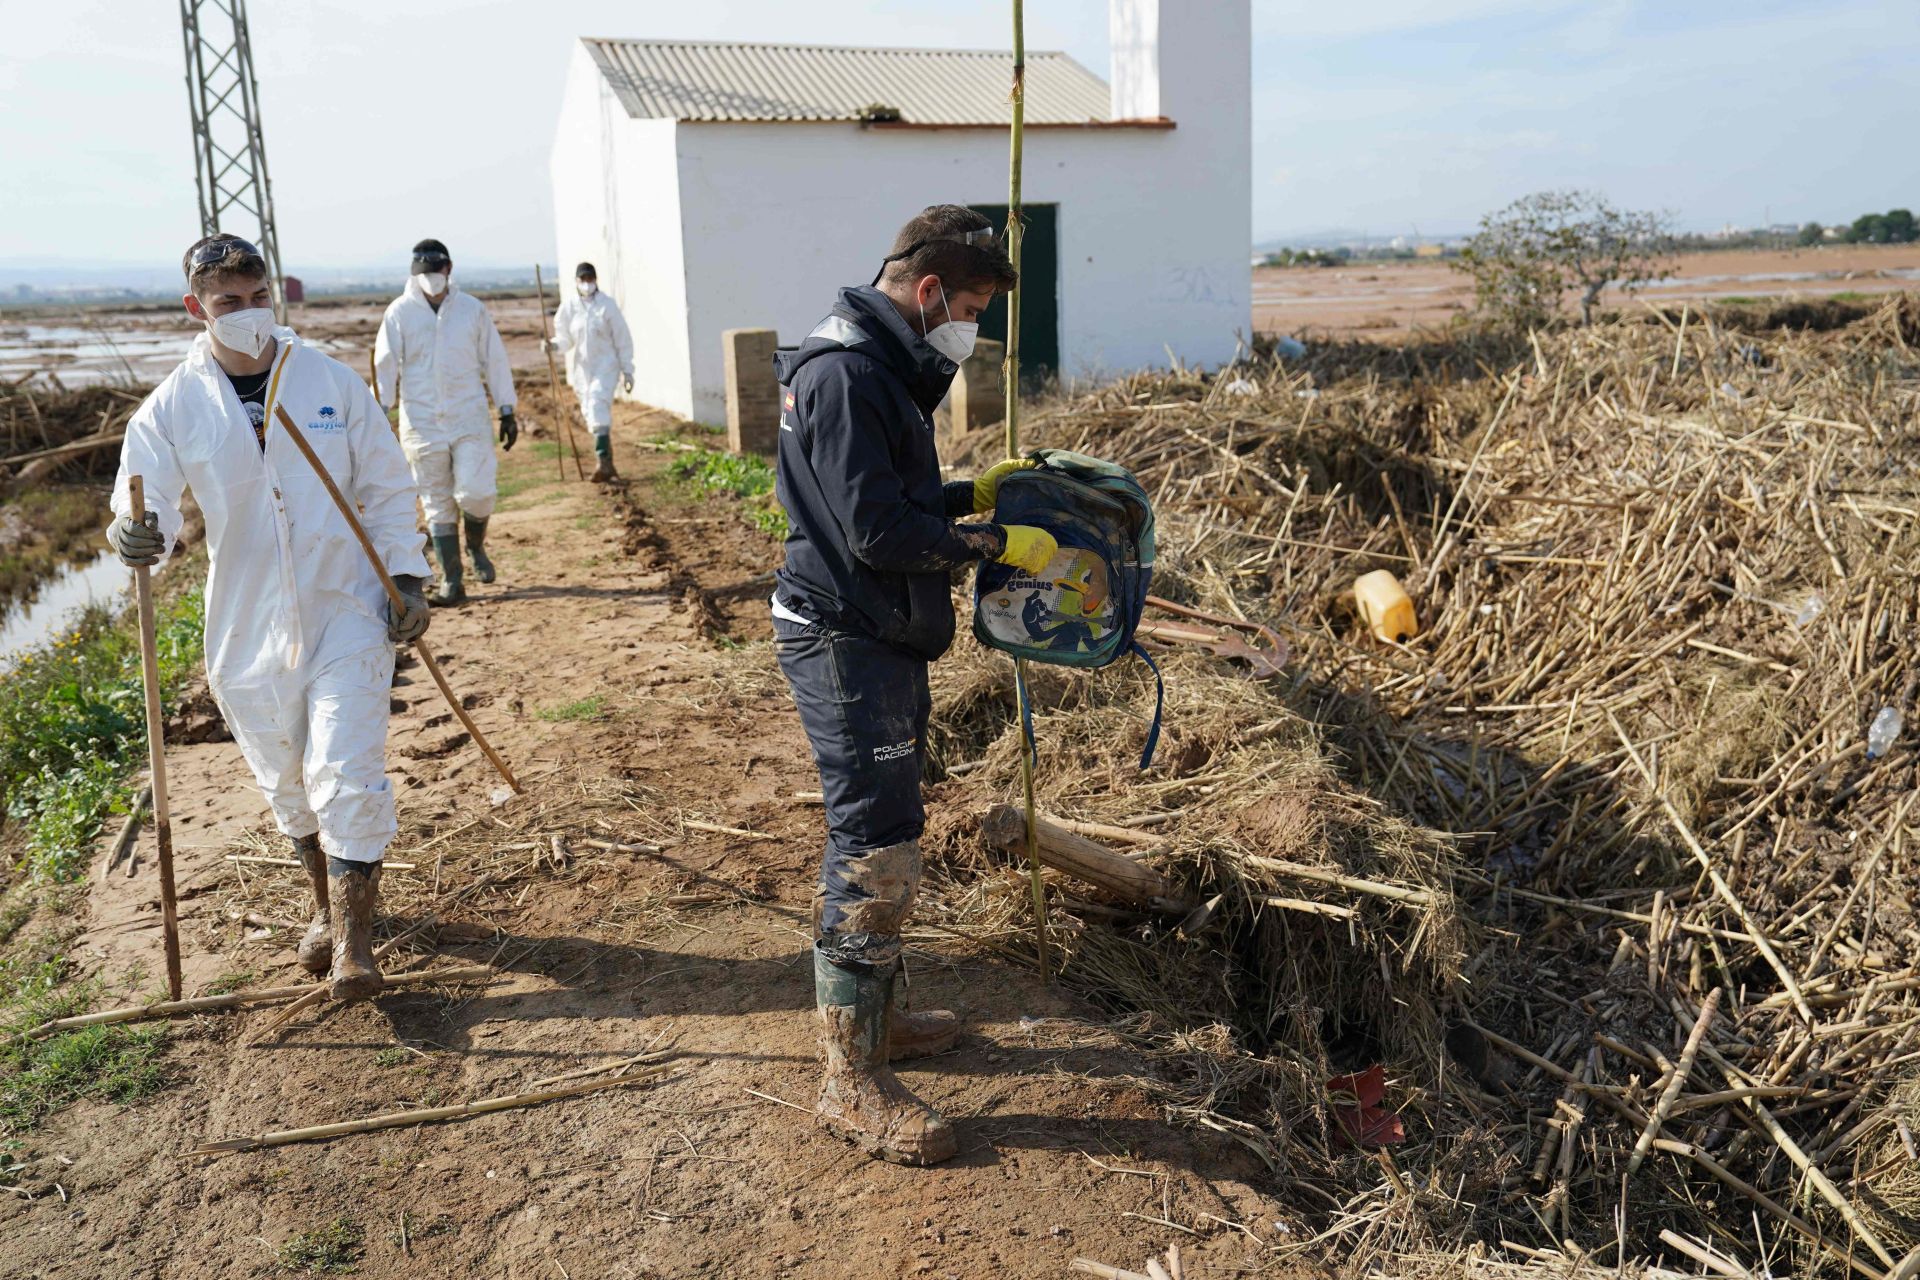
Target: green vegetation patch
[
  {"x": 746, "y": 477},
  {"x": 589, "y": 708},
  {"x": 330, "y": 1250},
  {"x": 73, "y": 725},
  {"x": 110, "y": 1064}
]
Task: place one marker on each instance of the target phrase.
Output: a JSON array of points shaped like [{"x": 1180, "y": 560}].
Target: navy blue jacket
[{"x": 871, "y": 539}]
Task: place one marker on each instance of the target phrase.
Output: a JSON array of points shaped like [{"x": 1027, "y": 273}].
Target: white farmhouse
[{"x": 720, "y": 186}]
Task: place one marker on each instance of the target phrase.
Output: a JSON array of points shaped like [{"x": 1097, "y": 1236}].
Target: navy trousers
[{"x": 864, "y": 706}]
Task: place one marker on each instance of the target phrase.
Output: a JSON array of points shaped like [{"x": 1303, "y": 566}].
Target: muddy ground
[
  {"x": 619, "y": 664},
  {"x": 1385, "y": 299}
]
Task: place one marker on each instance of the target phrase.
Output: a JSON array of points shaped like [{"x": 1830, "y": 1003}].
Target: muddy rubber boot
[
  {"x": 476, "y": 546},
  {"x": 315, "y": 952},
  {"x": 354, "y": 889},
  {"x": 860, "y": 1098},
  {"x": 446, "y": 549},
  {"x": 603, "y": 472}
]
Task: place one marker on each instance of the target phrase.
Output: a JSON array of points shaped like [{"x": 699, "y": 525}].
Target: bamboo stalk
[
  {"x": 393, "y": 594},
  {"x": 1675, "y": 1081},
  {"x": 429, "y": 1115},
  {"x": 1720, "y": 885},
  {"x": 553, "y": 389},
  {"x": 238, "y": 999},
  {"x": 156, "y": 749}
]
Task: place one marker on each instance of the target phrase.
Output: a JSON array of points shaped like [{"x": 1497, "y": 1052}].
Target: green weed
[
  {"x": 233, "y": 980},
  {"x": 745, "y": 476},
  {"x": 112, "y": 1064},
  {"x": 325, "y": 1251},
  {"x": 391, "y": 1056},
  {"x": 588, "y": 708},
  {"x": 72, "y": 725}
]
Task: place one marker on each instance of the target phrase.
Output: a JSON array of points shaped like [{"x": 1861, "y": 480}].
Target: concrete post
[
  {"x": 753, "y": 396},
  {"x": 979, "y": 395}
]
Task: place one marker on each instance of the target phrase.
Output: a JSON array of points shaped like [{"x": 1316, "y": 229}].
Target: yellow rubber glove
[
  {"x": 1028, "y": 548},
  {"x": 986, "y": 488}
]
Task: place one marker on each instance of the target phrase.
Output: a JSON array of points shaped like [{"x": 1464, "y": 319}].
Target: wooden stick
[
  {"x": 393, "y": 594},
  {"x": 237, "y": 999},
  {"x": 156, "y": 749},
  {"x": 1720, "y": 885},
  {"x": 1087, "y": 1266},
  {"x": 1006, "y": 828},
  {"x": 1671, "y": 1093},
  {"x": 129, "y": 828},
  {"x": 404, "y": 1119},
  {"x": 251, "y": 860},
  {"x": 553, "y": 387},
  {"x": 719, "y": 830}
]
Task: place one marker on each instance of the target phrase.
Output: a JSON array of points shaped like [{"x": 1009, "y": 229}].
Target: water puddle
[
  {"x": 58, "y": 603},
  {"x": 117, "y": 354}
]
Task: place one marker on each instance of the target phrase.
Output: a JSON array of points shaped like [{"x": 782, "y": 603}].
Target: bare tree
[{"x": 1526, "y": 258}]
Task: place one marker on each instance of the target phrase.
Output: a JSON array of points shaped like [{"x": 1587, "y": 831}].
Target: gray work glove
[
  {"x": 509, "y": 430},
  {"x": 409, "y": 625},
  {"x": 627, "y": 377},
  {"x": 137, "y": 544}
]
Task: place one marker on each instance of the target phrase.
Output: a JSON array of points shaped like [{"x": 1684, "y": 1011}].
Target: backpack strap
[
  {"x": 1159, "y": 705},
  {"x": 1026, "y": 711}
]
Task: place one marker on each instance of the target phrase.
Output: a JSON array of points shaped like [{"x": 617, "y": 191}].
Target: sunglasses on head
[
  {"x": 985, "y": 238},
  {"x": 215, "y": 250}
]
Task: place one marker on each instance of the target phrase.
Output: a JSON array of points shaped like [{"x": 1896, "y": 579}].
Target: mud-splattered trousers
[{"x": 864, "y": 705}]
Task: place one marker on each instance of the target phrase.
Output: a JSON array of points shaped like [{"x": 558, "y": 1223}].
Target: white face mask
[
  {"x": 587, "y": 288},
  {"x": 432, "y": 282},
  {"x": 247, "y": 332},
  {"x": 955, "y": 338}
]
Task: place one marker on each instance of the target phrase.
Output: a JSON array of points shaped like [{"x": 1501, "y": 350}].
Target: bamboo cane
[
  {"x": 156, "y": 749},
  {"x": 403, "y": 1119},
  {"x": 1011, "y": 372},
  {"x": 393, "y": 594},
  {"x": 553, "y": 386}
]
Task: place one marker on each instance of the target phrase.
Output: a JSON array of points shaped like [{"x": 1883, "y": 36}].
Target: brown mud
[{"x": 592, "y": 665}]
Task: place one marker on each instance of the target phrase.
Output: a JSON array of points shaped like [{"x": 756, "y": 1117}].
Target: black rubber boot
[
  {"x": 354, "y": 889},
  {"x": 477, "y": 546},
  {"x": 446, "y": 549},
  {"x": 861, "y": 1099},
  {"x": 315, "y": 951}
]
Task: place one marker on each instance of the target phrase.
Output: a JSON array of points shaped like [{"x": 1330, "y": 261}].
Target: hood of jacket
[{"x": 864, "y": 320}]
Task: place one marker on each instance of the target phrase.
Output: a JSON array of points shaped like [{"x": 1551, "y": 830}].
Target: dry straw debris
[{"x": 1601, "y": 856}]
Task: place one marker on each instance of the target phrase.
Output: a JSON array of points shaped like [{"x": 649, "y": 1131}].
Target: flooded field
[
  {"x": 136, "y": 346},
  {"x": 1387, "y": 297},
  {"x": 58, "y": 603}
]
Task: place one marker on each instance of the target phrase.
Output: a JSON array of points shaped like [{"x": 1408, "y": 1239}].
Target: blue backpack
[{"x": 1083, "y": 609}]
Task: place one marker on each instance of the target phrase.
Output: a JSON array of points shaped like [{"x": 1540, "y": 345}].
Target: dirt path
[{"x": 589, "y": 667}]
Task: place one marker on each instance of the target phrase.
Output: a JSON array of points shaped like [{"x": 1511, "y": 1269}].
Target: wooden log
[
  {"x": 129, "y": 828},
  {"x": 1005, "y": 829}
]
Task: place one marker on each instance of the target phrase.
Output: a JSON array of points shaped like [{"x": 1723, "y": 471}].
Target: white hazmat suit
[
  {"x": 599, "y": 352},
  {"x": 296, "y": 620},
  {"x": 447, "y": 361}
]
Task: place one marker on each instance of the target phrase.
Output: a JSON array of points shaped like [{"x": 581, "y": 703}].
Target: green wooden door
[{"x": 1039, "y": 292}]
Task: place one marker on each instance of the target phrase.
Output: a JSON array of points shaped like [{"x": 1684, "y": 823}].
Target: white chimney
[{"x": 1133, "y": 31}]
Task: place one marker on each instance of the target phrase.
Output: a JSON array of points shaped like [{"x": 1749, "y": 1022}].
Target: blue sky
[{"x": 385, "y": 122}]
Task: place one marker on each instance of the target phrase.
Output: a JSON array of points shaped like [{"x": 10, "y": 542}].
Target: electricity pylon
[{"x": 229, "y": 158}]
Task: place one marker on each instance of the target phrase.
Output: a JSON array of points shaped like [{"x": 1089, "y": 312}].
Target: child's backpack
[{"x": 1082, "y": 611}]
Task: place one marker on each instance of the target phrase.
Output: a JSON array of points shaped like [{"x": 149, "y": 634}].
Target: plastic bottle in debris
[
  {"x": 1881, "y": 734},
  {"x": 1385, "y": 606}
]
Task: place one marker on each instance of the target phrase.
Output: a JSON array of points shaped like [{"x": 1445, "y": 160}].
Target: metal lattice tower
[{"x": 230, "y": 160}]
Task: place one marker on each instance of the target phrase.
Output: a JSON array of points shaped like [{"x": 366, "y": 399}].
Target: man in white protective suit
[
  {"x": 299, "y": 631},
  {"x": 448, "y": 356},
  {"x": 593, "y": 333}
]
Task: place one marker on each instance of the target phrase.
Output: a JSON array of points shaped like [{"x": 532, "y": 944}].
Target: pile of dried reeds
[
  {"x": 1609, "y": 830},
  {"x": 73, "y": 432}
]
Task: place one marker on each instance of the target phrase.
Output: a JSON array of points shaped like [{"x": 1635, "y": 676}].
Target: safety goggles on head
[
  {"x": 216, "y": 250},
  {"x": 426, "y": 262},
  {"x": 987, "y": 238}
]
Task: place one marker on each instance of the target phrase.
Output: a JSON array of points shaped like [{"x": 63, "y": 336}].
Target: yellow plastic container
[{"x": 1385, "y": 607}]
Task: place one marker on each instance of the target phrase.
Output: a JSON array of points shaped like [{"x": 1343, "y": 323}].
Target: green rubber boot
[
  {"x": 861, "y": 1099},
  {"x": 446, "y": 549},
  {"x": 603, "y": 472},
  {"x": 476, "y": 546}
]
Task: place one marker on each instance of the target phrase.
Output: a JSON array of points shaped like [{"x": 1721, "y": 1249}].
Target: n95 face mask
[
  {"x": 247, "y": 332},
  {"x": 432, "y": 282},
  {"x": 954, "y": 339}
]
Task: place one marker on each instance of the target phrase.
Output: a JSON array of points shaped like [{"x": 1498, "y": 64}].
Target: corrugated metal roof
[{"x": 692, "y": 80}]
